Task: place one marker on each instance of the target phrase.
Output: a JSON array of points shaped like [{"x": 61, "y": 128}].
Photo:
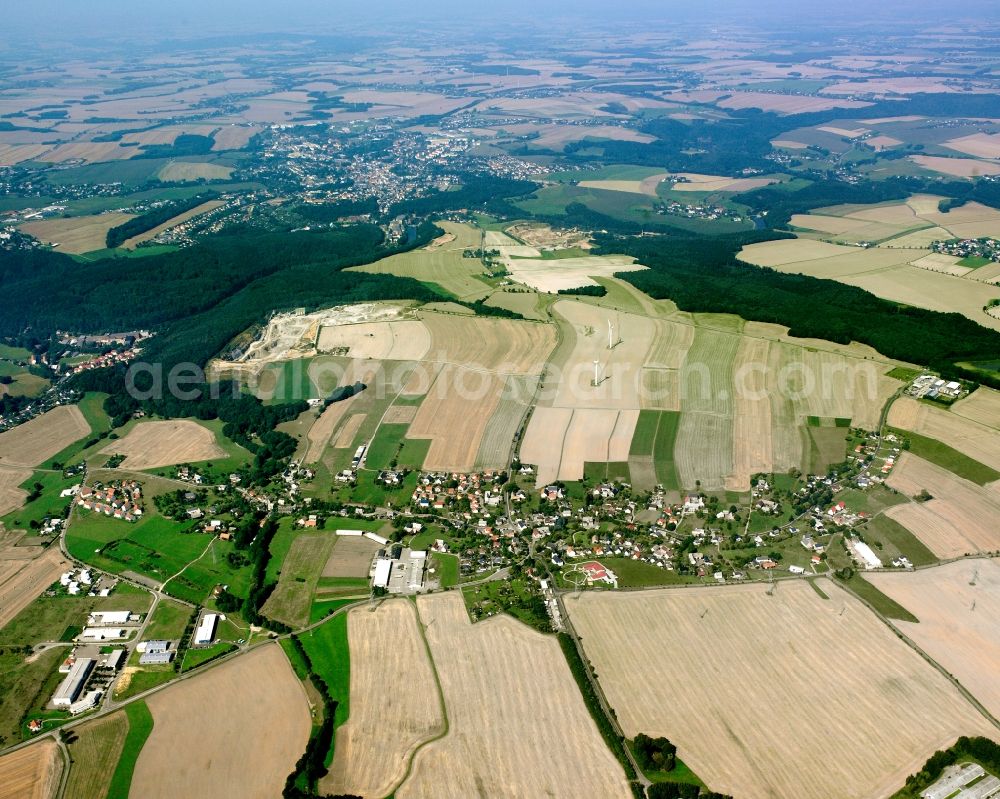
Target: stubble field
[
  {"x": 165, "y": 443},
  {"x": 506, "y": 688},
  {"x": 75, "y": 235},
  {"x": 36, "y": 441},
  {"x": 371, "y": 756},
  {"x": 725, "y": 673},
  {"x": 32, "y": 772},
  {"x": 234, "y": 731},
  {"x": 957, "y": 604},
  {"x": 978, "y": 441},
  {"x": 960, "y": 519}
]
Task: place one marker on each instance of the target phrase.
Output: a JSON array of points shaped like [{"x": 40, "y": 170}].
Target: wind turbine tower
[{"x": 597, "y": 372}]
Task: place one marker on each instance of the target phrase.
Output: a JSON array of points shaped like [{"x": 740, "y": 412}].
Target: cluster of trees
[
  {"x": 654, "y": 754},
  {"x": 616, "y": 743},
  {"x": 153, "y": 218},
  {"x": 703, "y": 275},
  {"x": 260, "y": 589},
  {"x": 184, "y": 146},
  {"x": 681, "y": 790},
  {"x": 310, "y": 768},
  {"x": 173, "y": 505},
  {"x": 982, "y": 750},
  {"x": 330, "y": 212},
  {"x": 344, "y": 392},
  {"x": 586, "y": 291}
]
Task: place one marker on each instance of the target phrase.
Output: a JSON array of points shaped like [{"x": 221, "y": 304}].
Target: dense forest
[
  {"x": 212, "y": 291},
  {"x": 153, "y": 218},
  {"x": 702, "y": 274}
]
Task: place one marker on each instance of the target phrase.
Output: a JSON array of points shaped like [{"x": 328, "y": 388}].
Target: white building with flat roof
[
  {"x": 69, "y": 689},
  {"x": 383, "y": 568},
  {"x": 108, "y": 617},
  {"x": 205, "y": 633},
  {"x": 95, "y": 634}
]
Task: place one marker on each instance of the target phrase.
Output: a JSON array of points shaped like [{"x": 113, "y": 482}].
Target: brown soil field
[
  {"x": 403, "y": 340},
  {"x": 971, "y": 438},
  {"x": 22, "y": 587},
  {"x": 36, "y": 441},
  {"x": 32, "y": 772},
  {"x": 783, "y": 695},
  {"x": 351, "y": 556},
  {"x": 980, "y": 145},
  {"x": 211, "y": 205},
  {"x": 300, "y": 572},
  {"x": 958, "y": 167},
  {"x": 454, "y": 414},
  {"x": 11, "y": 495},
  {"x": 76, "y": 234},
  {"x": 506, "y": 688},
  {"x": 347, "y": 432},
  {"x": 982, "y": 405},
  {"x": 957, "y": 604},
  {"x": 233, "y": 731},
  {"x": 152, "y": 444},
  {"x": 371, "y": 756},
  {"x": 962, "y": 517},
  {"x": 95, "y": 754}
]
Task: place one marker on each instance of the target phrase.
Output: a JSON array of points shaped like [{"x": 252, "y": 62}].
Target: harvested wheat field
[
  {"x": 77, "y": 234},
  {"x": 391, "y": 678},
  {"x": 149, "y": 445},
  {"x": 959, "y": 520},
  {"x": 22, "y": 587},
  {"x": 95, "y": 755},
  {"x": 728, "y": 672},
  {"x": 233, "y": 731},
  {"x": 593, "y": 434},
  {"x": 36, "y": 441},
  {"x": 553, "y": 275},
  {"x": 401, "y": 340},
  {"x": 506, "y": 346},
  {"x": 982, "y": 405},
  {"x": 500, "y": 430},
  {"x": 692, "y": 181},
  {"x": 321, "y": 432},
  {"x": 32, "y": 772},
  {"x": 957, "y": 167},
  {"x": 454, "y": 415},
  {"x": 646, "y": 186},
  {"x": 958, "y": 605},
  {"x": 543, "y": 441},
  {"x": 180, "y": 171},
  {"x": 971, "y": 438},
  {"x": 351, "y": 556},
  {"x": 11, "y": 495},
  {"x": 980, "y": 145},
  {"x": 752, "y": 438},
  {"x": 517, "y": 725},
  {"x": 347, "y": 432}
]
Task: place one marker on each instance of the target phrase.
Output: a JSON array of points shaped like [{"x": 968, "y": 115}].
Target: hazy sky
[{"x": 59, "y": 20}]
